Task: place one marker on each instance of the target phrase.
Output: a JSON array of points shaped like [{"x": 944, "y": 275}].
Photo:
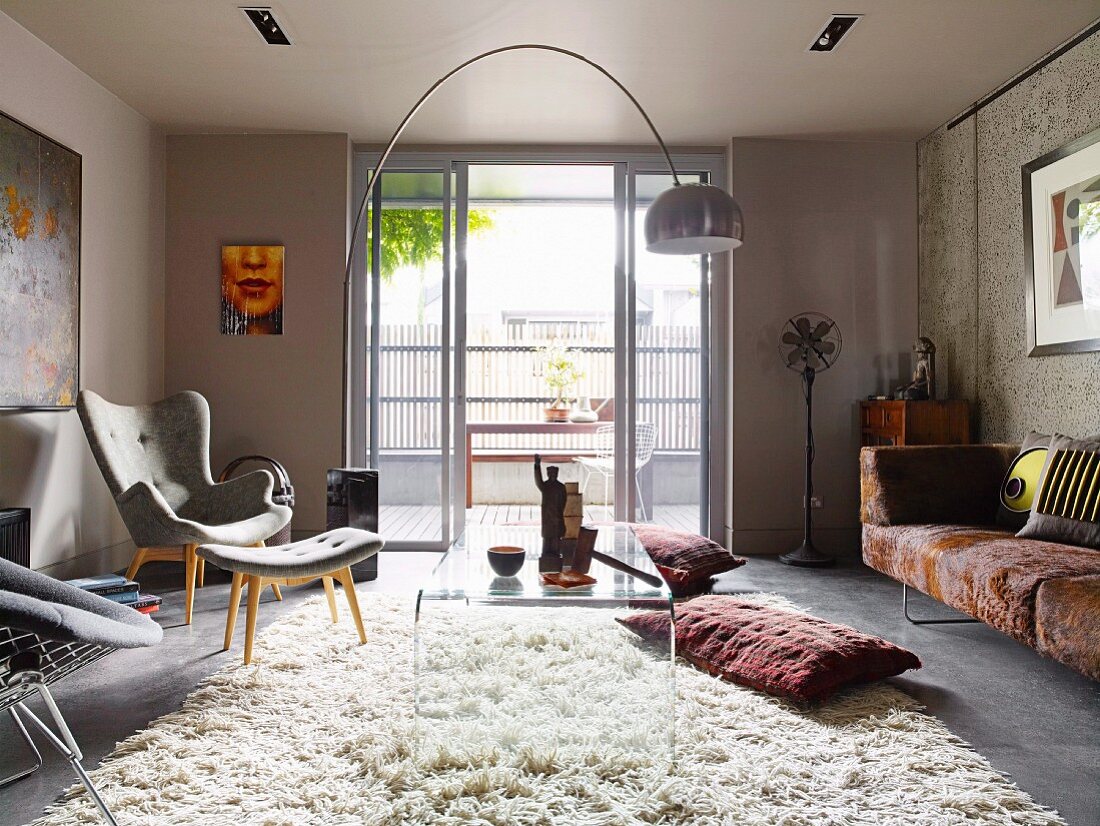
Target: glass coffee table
[{"x": 557, "y": 677}]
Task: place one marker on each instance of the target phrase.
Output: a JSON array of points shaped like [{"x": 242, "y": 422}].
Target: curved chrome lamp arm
[
  {"x": 431, "y": 90},
  {"x": 686, "y": 219}
]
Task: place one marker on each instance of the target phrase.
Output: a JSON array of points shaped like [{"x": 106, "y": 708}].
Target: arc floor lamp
[{"x": 685, "y": 219}]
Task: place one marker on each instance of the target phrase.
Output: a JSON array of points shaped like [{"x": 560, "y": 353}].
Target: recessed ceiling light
[
  {"x": 268, "y": 27},
  {"x": 835, "y": 30}
]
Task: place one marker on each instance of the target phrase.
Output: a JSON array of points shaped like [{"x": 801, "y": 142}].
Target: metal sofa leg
[
  {"x": 905, "y": 611},
  {"x": 65, "y": 744},
  {"x": 34, "y": 749}
]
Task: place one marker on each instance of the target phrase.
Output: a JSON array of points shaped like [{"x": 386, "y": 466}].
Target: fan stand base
[{"x": 807, "y": 556}]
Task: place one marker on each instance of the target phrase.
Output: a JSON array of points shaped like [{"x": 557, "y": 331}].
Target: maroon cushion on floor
[
  {"x": 687, "y": 561},
  {"x": 785, "y": 653}
]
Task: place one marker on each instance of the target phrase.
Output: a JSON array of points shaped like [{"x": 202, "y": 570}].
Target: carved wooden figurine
[{"x": 553, "y": 516}]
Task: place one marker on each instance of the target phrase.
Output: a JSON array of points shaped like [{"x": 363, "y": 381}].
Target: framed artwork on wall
[
  {"x": 252, "y": 290},
  {"x": 1062, "y": 248},
  {"x": 39, "y": 270}
]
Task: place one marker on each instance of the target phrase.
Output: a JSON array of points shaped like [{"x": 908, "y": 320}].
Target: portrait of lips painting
[{"x": 252, "y": 291}]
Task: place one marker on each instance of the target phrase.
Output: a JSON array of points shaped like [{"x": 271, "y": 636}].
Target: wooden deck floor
[{"x": 419, "y": 523}]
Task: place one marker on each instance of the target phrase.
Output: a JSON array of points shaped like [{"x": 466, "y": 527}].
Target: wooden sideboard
[{"x": 930, "y": 422}]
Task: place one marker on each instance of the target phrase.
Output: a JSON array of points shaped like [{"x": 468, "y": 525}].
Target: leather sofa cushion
[
  {"x": 985, "y": 572},
  {"x": 1067, "y": 622}
]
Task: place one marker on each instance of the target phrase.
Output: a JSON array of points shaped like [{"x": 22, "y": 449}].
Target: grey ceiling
[{"x": 706, "y": 69}]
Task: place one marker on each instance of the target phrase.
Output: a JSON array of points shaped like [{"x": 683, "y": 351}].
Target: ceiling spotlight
[
  {"x": 837, "y": 27},
  {"x": 266, "y": 24}
]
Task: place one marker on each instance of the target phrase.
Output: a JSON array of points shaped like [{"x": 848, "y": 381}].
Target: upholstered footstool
[{"x": 327, "y": 556}]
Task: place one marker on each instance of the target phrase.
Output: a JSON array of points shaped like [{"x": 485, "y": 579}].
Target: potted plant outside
[{"x": 560, "y": 372}]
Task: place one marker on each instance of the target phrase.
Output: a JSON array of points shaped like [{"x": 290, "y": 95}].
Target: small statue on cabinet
[
  {"x": 553, "y": 516},
  {"x": 923, "y": 385}
]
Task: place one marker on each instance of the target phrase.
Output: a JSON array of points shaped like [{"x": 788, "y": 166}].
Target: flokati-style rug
[{"x": 319, "y": 730}]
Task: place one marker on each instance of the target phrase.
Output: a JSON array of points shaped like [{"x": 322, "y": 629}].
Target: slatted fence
[{"x": 505, "y": 382}]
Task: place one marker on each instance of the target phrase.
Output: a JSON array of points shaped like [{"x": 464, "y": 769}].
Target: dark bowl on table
[{"x": 506, "y": 560}]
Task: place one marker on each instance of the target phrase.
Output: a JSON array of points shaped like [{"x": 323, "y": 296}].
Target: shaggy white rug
[{"x": 319, "y": 730}]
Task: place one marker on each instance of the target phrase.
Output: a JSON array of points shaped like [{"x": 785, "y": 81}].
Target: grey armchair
[{"x": 156, "y": 461}]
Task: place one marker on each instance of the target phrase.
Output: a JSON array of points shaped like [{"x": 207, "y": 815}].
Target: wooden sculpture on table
[{"x": 553, "y": 515}]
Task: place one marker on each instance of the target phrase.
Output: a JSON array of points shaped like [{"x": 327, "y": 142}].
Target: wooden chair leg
[
  {"x": 330, "y": 592},
  {"x": 200, "y": 577},
  {"x": 234, "y": 607},
  {"x": 136, "y": 562},
  {"x": 345, "y": 578},
  {"x": 255, "y": 585},
  {"x": 274, "y": 585},
  {"x": 189, "y": 559}
]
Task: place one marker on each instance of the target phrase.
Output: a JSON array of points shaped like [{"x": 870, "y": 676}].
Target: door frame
[{"x": 453, "y": 163}]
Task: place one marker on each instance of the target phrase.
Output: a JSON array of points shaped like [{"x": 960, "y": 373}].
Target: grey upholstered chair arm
[
  {"x": 148, "y": 517},
  {"x": 240, "y": 498},
  {"x": 255, "y": 486},
  {"x": 143, "y": 495}
]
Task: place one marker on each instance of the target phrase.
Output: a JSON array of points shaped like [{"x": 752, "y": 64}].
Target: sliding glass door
[
  {"x": 406, "y": 426},
  {"x": 542, "y": 296},
  {"x": 671, "y": 346}
]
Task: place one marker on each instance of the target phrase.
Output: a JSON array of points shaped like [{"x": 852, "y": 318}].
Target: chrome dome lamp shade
[{"x": 693, "y": 219}]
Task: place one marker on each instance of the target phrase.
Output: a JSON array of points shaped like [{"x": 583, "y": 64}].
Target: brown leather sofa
[{"x": 929, "y": 521}]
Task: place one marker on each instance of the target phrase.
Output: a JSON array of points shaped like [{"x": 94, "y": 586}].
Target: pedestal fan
[{"x": 810, "y": 343}]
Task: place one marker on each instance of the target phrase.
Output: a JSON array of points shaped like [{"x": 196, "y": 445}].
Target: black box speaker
[{"x": 352, "y": 502}]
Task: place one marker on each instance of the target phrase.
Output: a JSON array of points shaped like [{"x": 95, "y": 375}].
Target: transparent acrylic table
[{"x": 550, "y": 679}]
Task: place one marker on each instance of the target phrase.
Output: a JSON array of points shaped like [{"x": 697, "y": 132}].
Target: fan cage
[
  {"x": 57, "y": 660},
  {"x": 832, "y": 334}
]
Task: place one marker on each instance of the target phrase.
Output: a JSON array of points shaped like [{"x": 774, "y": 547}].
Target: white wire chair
[
  {"x": 603, "y": 463},
  {"x": 48, "y": 630}
]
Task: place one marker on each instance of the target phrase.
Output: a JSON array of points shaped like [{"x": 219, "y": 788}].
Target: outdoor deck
[{"x": 403, "y": 523}]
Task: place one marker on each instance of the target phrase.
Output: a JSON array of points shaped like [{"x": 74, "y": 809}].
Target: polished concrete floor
[{"x": 1035, "y": 720}]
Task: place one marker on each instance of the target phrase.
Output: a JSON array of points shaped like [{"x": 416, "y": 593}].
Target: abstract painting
[
  {"x": 1062, "y": 240},
  {"x": 39, "y": 269},
  {"x": 252, "y": 291}
]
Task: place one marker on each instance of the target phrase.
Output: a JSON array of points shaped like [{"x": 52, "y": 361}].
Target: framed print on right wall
[{"x": 1062, "y": 248}]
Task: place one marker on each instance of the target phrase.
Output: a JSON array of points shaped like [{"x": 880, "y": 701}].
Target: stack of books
[{"x": 118, "y": 589}]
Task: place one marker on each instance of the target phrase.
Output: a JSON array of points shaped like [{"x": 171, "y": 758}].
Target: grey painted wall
[
  {"x": 830, "y": 227},
  {"x": 972, "y": 295},
  {"x": 274, "y": 395},
  {"x": 44, "y": 459}
]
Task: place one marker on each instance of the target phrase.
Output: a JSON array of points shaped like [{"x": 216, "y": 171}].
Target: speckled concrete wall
[
  {"x": 972, "y": 254},
  {"x": 948, "y": 257}
]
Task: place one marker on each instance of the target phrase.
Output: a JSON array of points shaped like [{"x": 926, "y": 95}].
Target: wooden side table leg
[
  {"x": 255, "y": 585},
  {"x": 348, "y": 582},
  {"x": 469, "y": 473},
  {"x": 274, "y": 585},
  {"x": 136, "y": 562},
  {"x": 189, "y": 567},
  {"x": 234, "y": 607},
  {"x": 330, "y": 592}
]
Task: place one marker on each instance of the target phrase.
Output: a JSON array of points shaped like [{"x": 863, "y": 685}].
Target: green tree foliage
[{"x": 414, "y": 237}]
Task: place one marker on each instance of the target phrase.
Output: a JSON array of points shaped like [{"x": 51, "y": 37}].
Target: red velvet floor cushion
[
  {"x": 687, "y": 561},
  {"x": 791, "y": 655}
]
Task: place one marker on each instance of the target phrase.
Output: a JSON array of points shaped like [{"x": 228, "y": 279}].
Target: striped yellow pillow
[{"x": 1067, "y": 508}]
